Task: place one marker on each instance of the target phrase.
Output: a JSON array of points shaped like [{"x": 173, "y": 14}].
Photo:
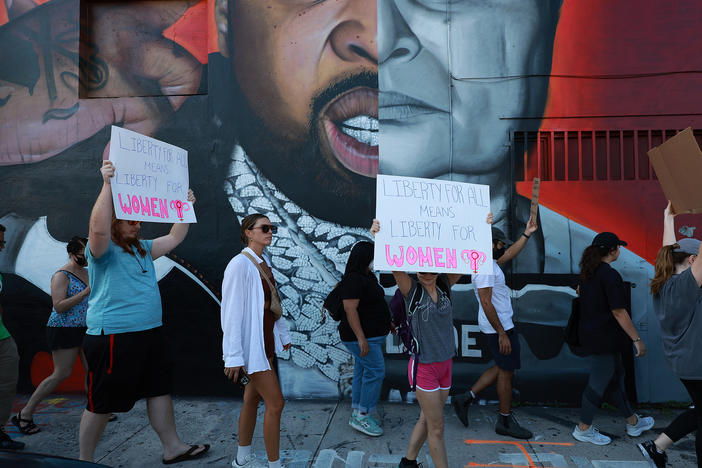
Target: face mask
[
  {"x": 497, "y": 253},
  {"x": 81, "y": 260}
]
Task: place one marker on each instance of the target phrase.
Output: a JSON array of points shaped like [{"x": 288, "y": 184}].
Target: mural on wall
[{"x": 291, "y": 109}]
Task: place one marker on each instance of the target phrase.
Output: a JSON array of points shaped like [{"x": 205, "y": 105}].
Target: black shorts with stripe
[{"x": 126, "y": 367}]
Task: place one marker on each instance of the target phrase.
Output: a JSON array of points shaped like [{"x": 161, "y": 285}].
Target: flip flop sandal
[
  {"x": 187, "y": 455},
  {"x": 29, "y": 428}
]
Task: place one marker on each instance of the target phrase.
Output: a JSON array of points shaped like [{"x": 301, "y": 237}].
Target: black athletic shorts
[
  {"x": 126, "y": 367},
  {"x": 509, "y": 361},
  {"x": 64, "y": 337}
]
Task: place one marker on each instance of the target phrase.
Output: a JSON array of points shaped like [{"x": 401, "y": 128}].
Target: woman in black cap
[
  {"x": 677, "y": 301},
  {"x": 604, "y": 327}
]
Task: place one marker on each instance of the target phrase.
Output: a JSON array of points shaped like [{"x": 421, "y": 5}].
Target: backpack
[
  {"x": 333, "y": 305},
  {"x": 572, "y": 330},
  {"x": 403, "y": 321}
]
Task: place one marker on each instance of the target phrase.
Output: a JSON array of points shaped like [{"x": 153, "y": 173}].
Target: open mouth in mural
[{"x": 350, "y": 123}]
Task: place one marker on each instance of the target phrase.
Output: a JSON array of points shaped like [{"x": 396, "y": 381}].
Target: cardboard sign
[
  {"x": 431, "y": 225},
  {"x": 534, "y": 211},
  {"x": 678, "y": 165},
  {"x": 151, "y": 179}
]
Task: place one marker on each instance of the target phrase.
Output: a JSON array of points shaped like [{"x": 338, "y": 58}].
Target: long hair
[
  {"x": 126, "y": 244},
  {"x": 666, "y": 261},
  {"x": 248, "y": 223},
  {"x": 591, "y": 259},
  {"x": 76, "y": 244},
  {"x": 360, "y": 257}
]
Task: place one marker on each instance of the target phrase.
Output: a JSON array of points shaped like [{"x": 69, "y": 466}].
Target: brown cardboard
[
  {"x": 678, "y": 166},
  {"x": 535, "y": 198}
]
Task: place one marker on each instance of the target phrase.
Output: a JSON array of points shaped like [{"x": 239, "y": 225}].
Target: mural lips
[{"x": 350, "y": 125}]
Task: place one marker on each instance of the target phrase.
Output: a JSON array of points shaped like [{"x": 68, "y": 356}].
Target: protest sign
[
  {"x": 151, "y": 179},
  {"x": 431, "y": 225},
  {"x": 678, "y": 165},
  {"x": 534, "y": 209}
]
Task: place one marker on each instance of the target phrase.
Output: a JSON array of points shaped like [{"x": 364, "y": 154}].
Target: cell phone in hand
[{"x": 243, "y": 379}]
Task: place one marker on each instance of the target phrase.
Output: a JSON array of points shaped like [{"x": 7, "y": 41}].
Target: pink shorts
[{"x": 431, "y": 377}]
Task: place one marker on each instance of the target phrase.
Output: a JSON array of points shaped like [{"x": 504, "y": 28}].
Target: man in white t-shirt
[{"x": 495, "y": 320}]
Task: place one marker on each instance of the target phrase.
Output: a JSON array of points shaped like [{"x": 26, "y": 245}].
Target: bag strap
[
  {"x": 263, "y": 273},
  {"x": 414, "y": 301}
]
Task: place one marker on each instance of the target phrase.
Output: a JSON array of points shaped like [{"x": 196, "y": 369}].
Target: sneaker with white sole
[
  {"x": 591, "y": 435},
  {"x": 365, "y": 424},
  {"x": 655, "y": 458},
  {"x": 249, "y": 462},
  {"x": 644, "y": 423}
]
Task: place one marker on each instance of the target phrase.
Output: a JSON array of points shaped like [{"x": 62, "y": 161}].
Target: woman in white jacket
[{"x": 253, "y": 333}]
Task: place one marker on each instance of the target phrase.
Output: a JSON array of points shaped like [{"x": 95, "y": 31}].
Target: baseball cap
[
  {"x": 688, "y": 245},
  {"x": 607, "y": 239}
]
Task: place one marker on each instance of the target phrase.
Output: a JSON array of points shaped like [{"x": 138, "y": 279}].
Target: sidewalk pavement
[{"x": 316, "y": 434}]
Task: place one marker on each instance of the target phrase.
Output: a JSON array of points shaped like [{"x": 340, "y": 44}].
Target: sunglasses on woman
[
  {"x": 266, "y": 227},
  {"x": 133, "y": 223}
]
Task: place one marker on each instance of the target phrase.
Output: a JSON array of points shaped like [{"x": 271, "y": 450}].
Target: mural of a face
[
  {"x": 443, "y": 110},
  {"x": 311, "y": 93}
]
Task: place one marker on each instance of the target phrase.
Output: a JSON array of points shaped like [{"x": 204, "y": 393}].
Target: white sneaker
[
  {"x": 644, "y": 423},
  {"x": 249, "y": 461},
  {"x": 592, "y": 435}
]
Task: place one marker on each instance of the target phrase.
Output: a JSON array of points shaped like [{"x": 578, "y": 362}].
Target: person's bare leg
[
  {"x": 91, "y": 427},
  {"x": 663, "y": 442},
  {"x": 432, "y": 404},
  {"x": 247, "y": 416},
  {"x": 267, "y": 385},
  {"x": 64, "y": 359},
  {"x": 504, "y": 390},
  {"x": 417, "y": 438},
  {"x": 160, "y": 411},
  {"x": 488, "y": 378}
]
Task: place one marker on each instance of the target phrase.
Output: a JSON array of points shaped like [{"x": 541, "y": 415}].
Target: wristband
[
  {"x": 524, "y": 234},
  {"x": 637, "y": 340}
]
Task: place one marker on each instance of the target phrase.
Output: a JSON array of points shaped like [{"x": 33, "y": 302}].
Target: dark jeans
[
  {"x": 606, "y": 377},
  {"x": 691, "y": 420}
]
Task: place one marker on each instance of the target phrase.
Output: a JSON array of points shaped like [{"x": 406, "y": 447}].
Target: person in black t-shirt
[
  {"x": 604, "y": 326},
  {"x": 363, "y": 328}
]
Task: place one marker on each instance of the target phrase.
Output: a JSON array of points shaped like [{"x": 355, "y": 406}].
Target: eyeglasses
[
  {"x": 427, "y": 273},
  {"x": 134, "y": 223},
  {"x": 266, "y": 227}
]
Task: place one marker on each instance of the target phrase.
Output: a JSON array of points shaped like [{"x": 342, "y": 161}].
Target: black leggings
[
  {"x": 606, "y": 376},
  {"x": 691, "y": 420}
]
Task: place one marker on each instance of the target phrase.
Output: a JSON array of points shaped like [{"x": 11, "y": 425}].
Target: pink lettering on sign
[
  {"x": 145, "y": 206},
  {"x": 423, "y": 256},
  {"x": 395, "y": 260},
  {"x": 425, "y": 259},
  {"x": 474, "y": 257},
  {"x": 411, "y": 255},
  {"x": 163, "y": 206},
  {"x": 451, "y": 258},
  {"x": 126, "y": 208},
  {"x": 438, "y": 254}
]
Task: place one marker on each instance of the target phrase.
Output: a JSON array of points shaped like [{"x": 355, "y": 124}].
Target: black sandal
[{"x": 28, "y": 428}]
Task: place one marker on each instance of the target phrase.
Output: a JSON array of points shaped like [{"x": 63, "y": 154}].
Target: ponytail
[
  {"x": 591, "y": 259},
  {"x": 665, "y": 266}
]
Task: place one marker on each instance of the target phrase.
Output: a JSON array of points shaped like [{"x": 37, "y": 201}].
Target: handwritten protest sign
[
  {"x": 151, "y": 179},
  {"x": 432, "y": 225}
]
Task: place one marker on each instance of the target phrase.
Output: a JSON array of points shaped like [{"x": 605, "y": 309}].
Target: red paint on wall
[
  {"x": 191, "y": 31},
  {"x": 638, "y": 54}
]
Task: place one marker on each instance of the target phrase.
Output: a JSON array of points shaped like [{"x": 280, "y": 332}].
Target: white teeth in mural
[{"x": 363, "y": 128}]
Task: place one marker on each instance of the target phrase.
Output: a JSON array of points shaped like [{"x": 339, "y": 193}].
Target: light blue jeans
[{"x": 368, "y": 374}]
